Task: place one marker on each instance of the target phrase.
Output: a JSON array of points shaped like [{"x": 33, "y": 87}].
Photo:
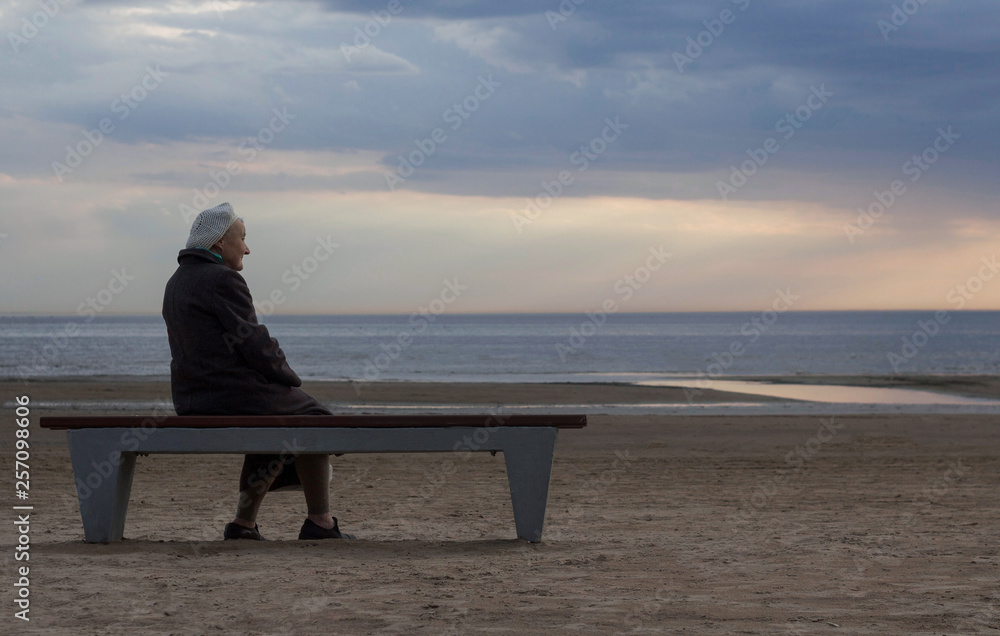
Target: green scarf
[{"x": 218, "y": 256}]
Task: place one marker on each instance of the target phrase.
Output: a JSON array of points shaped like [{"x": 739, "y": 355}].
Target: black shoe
[
  {"x": 311, "y": 530},
  {"x": 236, "y": 531}
]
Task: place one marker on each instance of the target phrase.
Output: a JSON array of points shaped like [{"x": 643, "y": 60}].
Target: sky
[{"x": 509, "y": 156}]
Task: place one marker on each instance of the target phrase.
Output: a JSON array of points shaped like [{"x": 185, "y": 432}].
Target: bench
[{"x": 103, "y": 450}]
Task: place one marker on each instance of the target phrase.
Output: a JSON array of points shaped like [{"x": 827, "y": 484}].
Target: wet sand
[{"x": 880, "y": 524}]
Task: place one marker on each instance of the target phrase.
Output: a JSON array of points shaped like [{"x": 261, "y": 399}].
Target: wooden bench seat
[{"x": 103, "y": 450}]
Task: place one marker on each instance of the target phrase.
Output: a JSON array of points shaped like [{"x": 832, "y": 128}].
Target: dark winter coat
[{"x": 223, "y": 361}]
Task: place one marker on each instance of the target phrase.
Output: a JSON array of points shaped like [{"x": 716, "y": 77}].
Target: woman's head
[{"x": 219, "y": 229}]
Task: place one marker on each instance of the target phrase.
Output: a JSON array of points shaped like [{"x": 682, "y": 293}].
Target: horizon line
[{"x": 521, "y": 313}]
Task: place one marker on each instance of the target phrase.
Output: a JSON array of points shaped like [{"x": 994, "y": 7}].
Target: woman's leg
[
  {"x": 258, "y": 473},
  {"x": 314, "y": 472}
]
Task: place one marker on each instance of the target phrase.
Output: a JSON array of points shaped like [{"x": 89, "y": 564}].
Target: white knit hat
[{"x": 210, "y": 225}]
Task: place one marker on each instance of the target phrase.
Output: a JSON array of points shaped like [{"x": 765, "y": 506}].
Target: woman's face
[{"x": 232, "y": 246}]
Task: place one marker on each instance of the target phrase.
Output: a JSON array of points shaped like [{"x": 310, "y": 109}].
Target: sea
[
  {"x": 727, "y": 351},
  {"x": 537, "y": 347}
]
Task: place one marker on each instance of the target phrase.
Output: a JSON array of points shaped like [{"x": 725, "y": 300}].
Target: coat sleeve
[{"x": 244, "y": 335}]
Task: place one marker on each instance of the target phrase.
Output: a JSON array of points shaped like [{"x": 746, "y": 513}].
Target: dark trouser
[{"x": 264, "y": 472}]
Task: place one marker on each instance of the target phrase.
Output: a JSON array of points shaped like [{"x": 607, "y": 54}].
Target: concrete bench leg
[
  {"x": 103, "y": 487},
  {"x": 529, "y": 467}
]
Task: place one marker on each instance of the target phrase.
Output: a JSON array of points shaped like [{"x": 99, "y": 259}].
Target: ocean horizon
[{"x": 547, "y": 347}]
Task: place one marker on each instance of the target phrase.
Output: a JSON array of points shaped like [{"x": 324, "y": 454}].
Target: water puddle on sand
[
  {"x": 826, "y": 392},
  {"x": 801, "y": 399}
]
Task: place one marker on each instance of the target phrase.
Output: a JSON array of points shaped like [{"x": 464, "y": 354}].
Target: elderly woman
[{"x": 225, "y": 363}]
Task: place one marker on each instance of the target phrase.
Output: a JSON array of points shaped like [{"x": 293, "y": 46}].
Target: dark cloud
[
  {"x": 448, "y": 9},
  {"x": 560, "y": 78}
]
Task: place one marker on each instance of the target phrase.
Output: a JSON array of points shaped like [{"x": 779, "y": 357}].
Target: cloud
[
  {"x": 189, "y": 87},
  {"x": 231, "y": 63}
]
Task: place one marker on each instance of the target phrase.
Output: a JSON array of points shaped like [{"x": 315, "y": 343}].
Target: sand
[{"x": 879, "y": 524}]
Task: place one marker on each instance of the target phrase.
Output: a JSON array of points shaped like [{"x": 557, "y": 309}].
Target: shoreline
[
  {"x": 971, "y": 385},
  {"x": 913, "y": 395}
]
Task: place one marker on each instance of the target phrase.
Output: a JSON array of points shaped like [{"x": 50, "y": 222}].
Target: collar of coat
[{"x": 194, "y": 254}]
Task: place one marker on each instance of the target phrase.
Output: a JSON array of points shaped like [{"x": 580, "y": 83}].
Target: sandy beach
[{"x": 877, "y": 524}]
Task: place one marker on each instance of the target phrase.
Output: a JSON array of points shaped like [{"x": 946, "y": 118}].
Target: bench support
[
  {"x": 103, "y": 484},
  {"x": 529, "y": 468},
  {"x": 104, "y": 460}
]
